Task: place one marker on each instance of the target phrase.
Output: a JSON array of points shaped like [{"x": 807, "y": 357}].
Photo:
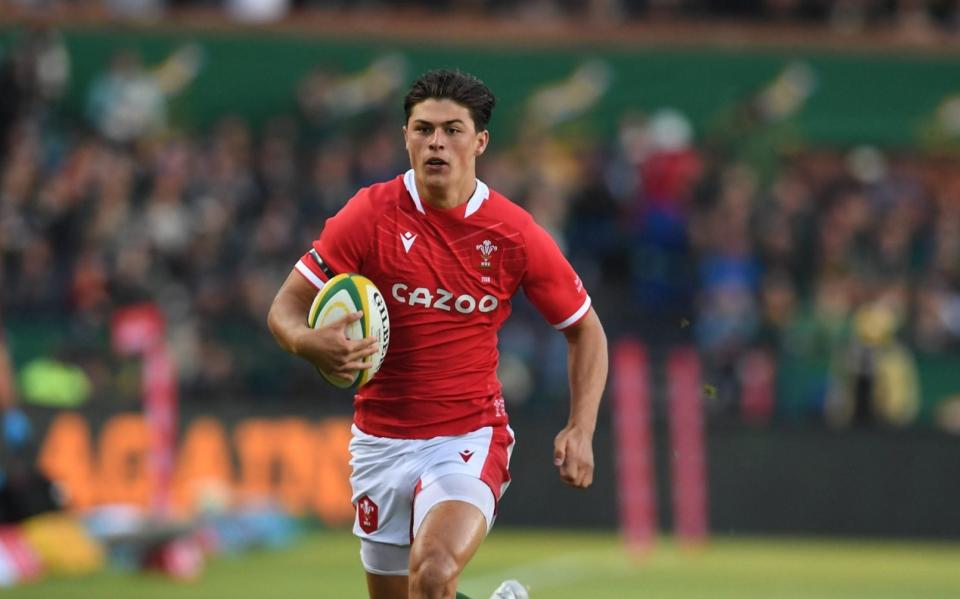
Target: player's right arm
[
  {"x": 326, "y": 347},
  {"x": 341, "y": 247}
]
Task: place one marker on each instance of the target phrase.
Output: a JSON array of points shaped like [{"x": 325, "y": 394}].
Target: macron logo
[
  {"x": 407, "y": 238},
  {"x": 466, "y": 454}
]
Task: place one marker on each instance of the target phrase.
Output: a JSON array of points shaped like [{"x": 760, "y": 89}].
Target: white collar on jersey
[{"x": 480, "y": 194}]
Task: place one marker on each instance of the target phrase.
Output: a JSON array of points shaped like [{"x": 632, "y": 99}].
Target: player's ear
[
  {"x": 483, "y": 138},
  {"x": 406, "y": 144}
]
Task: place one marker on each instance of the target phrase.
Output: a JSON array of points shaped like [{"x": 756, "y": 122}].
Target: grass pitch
[{"x": 566, "y": 565}]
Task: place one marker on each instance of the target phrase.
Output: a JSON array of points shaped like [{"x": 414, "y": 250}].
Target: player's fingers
[
  {"x": 349, "y": 361},
  {"x": 355, "y": 365},
  {"x": 579, "y": 470},
  {"x": 559, "y": 451},
  {"x": 349, "y": 371},
  {"x": 362, "y": 344},
  {"x": 345, "y": 375},
  {"x": 347, "y": 319},
  {"x": 362, "y": 352},
  {"x": 570, "y": 472},
  {"x": 586, "y": 478}
]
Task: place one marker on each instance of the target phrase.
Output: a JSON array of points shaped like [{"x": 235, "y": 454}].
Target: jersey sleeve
[
  {"x": 550, "y": 282},
  {"x": 343, "y": 243}
]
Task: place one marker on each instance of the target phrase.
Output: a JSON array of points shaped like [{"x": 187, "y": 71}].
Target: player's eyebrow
[{"x": 451, "y": 122}]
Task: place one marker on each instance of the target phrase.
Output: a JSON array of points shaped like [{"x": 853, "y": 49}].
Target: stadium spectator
[
  {"x": 876, "y": 379},
  {"x": 257, "y": 11},
  {"x": 138, "y": 10}
]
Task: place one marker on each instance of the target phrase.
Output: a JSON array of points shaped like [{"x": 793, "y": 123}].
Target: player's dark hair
[{"x": 462, "y": 88}]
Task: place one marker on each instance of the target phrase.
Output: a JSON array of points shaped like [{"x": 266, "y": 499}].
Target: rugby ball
[{"x": 341, "y": 295}]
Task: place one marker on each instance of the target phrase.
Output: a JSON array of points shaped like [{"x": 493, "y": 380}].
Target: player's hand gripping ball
[{"x": 342, "y": 295}]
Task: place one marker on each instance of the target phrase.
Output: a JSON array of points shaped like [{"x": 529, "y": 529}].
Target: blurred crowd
[
  {"x": 915, "y": 17},
  {"x": 835, "y": 268}
]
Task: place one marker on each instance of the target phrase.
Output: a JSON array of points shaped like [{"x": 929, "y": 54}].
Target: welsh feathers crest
[{"x": 486, "y": 249}]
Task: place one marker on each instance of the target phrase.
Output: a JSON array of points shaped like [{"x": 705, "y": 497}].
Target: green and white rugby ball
[{"x": 341, "y": 295}]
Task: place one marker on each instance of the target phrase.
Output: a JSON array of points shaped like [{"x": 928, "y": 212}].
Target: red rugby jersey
[{"x": 448, "y": 276}]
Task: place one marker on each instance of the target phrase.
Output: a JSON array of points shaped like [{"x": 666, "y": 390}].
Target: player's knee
[{"x": 433, "y": 573}]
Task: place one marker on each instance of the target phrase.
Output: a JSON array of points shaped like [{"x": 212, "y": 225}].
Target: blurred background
[{"x": 761, "y": 196}]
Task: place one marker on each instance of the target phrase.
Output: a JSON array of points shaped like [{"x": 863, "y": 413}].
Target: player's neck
[{"x": 445, "y": 197}]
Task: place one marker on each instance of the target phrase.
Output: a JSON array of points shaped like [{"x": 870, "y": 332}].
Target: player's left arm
[
  {"x": 587, "y": 370},
  {"x": 558, "y": 293}
]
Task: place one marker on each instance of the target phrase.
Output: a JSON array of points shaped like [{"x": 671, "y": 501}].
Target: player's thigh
[
  {"x": 451, "y": 517},
  {"x": 454, "y": 487},
  {"x": 449, "y": 536}
]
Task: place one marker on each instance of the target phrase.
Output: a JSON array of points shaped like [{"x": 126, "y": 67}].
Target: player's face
[{"x": 443, "y": 144}]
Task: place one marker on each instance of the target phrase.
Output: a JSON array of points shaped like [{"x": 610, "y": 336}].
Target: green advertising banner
[{"x": 830, "y": 97}]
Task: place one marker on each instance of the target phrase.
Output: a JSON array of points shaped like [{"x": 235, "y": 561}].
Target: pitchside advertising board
[{"x": 100, "y": 457}]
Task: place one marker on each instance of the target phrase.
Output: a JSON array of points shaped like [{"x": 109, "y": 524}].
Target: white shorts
[{"x": 389, "y": 474}]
